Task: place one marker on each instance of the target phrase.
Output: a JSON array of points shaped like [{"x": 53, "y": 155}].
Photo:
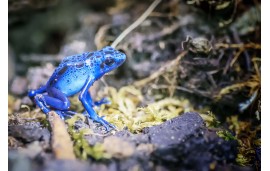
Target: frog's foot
[
  {"x": 105, "y": 123},
  {"x": 41, "y": 102},
  {"x": 101, "y": 102}
]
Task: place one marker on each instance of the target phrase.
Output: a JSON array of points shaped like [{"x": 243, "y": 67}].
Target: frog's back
[
  {"x": 73, "y": 72},
  {"x": 70, "y": 76}
]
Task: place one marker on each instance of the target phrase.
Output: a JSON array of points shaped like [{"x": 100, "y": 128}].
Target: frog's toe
[
  {"x": 63, "y": 114},
  {"x": 106, "y": 124},
  {"x": 105, "y": 100},
  {"x": 60, "y": 114},
  {"x": 102, "y": 101}
]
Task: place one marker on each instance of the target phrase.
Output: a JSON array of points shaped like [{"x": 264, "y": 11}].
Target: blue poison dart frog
[{"x": 76, "y": 74}]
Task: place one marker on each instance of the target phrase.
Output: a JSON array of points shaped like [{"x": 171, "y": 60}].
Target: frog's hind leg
[{"x": 55, "y": 99}]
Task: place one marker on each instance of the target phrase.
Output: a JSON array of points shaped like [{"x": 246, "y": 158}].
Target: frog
[
  {"x": 75, "y": 75},
  {"x": 198, "y": 45}
]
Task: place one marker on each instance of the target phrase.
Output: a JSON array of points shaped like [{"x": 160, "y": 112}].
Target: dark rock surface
[
  {"x": 197, "y": 152},
  {"x": 18, "y": 162},
  {"x": 184, "y": 142},
  {"x": 67, "y": 165},
  {"x": 175, "y": 130},
  {"x": 29, "y": 132}
]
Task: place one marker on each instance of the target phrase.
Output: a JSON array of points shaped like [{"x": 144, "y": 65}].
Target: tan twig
[
  {"x": 62, "y": 145},
  {"x": 136, "y": 23},
  {"x": 236, "y": 57}
]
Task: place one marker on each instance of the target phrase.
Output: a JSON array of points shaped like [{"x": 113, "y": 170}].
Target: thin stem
[{"x": 136, "y": 23}]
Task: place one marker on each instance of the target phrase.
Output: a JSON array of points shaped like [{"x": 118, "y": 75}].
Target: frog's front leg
[
  {"x": 97, "y": 103},
  {"x": 33, "y": 93},
  {"x": 86, "y": 101}
]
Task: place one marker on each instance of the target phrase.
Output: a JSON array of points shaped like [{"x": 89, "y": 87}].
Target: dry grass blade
[
  {"x": 254, "y": 84},
  {"x": 136, "y": 23},
  {"x": 61, "y": 143}
]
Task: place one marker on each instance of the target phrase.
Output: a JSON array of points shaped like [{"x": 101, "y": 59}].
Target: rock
[
  {"x": 68, "y": 165},
  {"x": 93, "y": 139},
  {"x": 32, "y": 149},
  {"x": 234, "y": 168},
  {"x": 197, "y": 152},
  {"x": 13, "y": 143},
  {"x": 185, "y": 143},
  {"x": 175, "y": 131},
  {"x": 38, "y": 76},
  {"x": 134, "y": 164},
  {"x": 145, "y": 149},
  {"x": 182, "y": 143},
  {"x": 19, "y": 85},
  {"x": 29, "y": 132},
  {"x": 18, "y": 162},
  {"x": 118, "y": 148},
  {"x": 135, "y": 138}
]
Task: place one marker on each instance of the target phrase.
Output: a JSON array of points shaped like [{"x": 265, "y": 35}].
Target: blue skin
[{"x": 76, "y": 74}]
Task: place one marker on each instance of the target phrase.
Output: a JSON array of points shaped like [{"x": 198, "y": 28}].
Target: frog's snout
[{"x": 121, "y": 57}]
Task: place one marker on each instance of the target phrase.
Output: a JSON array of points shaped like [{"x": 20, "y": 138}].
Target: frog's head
[{"x": 111, "y": 59}]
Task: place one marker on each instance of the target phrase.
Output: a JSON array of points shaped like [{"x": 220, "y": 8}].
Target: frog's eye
[{"x": 109, "y": 61}]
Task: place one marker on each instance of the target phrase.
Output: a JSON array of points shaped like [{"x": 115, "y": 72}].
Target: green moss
[
  {"x": 246, "y": 135},
  {"x": 126, "y": 110},
  {"x": 226, "y": 135},
  {"x": 81, "y": 146},
  {"x": 210, "y": 120}
]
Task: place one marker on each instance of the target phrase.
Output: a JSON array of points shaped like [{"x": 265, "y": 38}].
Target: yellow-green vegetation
[
  {"x": 253, "y": 84},
  {"x": 247, "y": 140},
  {"x": 210, "y": 119},
  {"x": 126, "y": 110},
  {"x": 225, "y": 135},
  {"x": 82, "y": 148}
]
